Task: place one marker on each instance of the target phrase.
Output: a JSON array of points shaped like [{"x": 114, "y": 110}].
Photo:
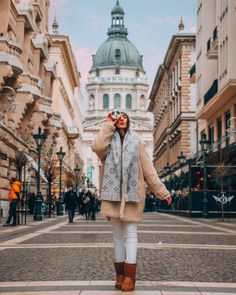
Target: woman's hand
[
  {"x": 109, "y": 119},
  {"x": 168, "y": 200}
]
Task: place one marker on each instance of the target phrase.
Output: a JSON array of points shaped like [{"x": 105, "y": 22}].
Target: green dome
[{"x": 117, "y": 51}]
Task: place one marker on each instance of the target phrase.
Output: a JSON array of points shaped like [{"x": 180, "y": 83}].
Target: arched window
[
  {"x": 142, "y": 102},
  {"x": 128, "y": 101},
  {"x": 117, "y": 54},
  {"x": 117, "y": 71},
  {"x": 117, "y": 101},
  {"x": 105, "y": 101},
  {"x": 91, "y": 102}
]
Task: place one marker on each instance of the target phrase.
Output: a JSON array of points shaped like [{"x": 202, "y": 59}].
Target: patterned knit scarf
[{"x": 122, "y": 167}]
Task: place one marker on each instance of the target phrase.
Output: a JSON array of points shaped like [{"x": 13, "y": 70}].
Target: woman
[{"x": 125, "y": 169}]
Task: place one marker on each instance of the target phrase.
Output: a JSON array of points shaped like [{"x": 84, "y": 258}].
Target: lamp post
[
  {"x": 77, "y": 170},
  {"x": 39, "y": 140},
  {"x": 60, "y": 156},
  {"x": 204, "y": 146}
]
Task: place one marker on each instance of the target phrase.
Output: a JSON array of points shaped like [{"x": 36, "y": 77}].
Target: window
[
  {"x": 227, "y": 126},
  {"x": 117, "y": 53},
  {"x": 105, "y": 101},
  {"x": 211, "y": 134},
  {"x": 117, "y": 71},
  {"x": 117, "y": 101},
  {"x": 128, "y": 101}
]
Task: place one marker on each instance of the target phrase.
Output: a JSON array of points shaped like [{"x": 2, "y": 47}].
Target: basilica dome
[{"x": 117, "y": 50}]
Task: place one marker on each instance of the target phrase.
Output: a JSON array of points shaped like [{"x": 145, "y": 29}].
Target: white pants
[{"x": 125, "y": 240}]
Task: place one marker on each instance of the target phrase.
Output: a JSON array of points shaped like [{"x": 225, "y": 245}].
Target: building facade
[
  {"x": 28, "y": 81},
  {"x": 66, "y": 104},
  {"x": 216, "y": 70},
  {"x": 173, "y": 103},
  {"x": 117, "y": 80}
]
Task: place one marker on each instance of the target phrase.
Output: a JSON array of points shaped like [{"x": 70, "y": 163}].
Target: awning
[{"x": 35, "y": 166}]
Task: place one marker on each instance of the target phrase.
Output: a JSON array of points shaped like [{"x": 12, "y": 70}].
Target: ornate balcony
[
  {"x": 73, "y": 132},
  {"x": 31, "y": 84},
  {"x": 50, "y": 66},
  {"x": 26, "y": 9},
  {"x": 10, "y": 54},
  {"x": 212, "y": 45},
  {"x": 211, "y": 92},
  {"x": 56, "y": 120},
  {"x": 46, "y": 106},
  {"x": 41, "y": 41},
  {"x": 38, "y": 10}
]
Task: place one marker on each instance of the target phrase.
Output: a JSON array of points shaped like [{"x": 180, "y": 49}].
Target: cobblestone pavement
[{"x": 176, "y": 255}]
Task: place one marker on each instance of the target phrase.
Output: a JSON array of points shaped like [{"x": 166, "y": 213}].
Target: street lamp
[
  {"x": 60, "y": 156},
  {"x": 77, "y": 170},
  {"x": 204, "y": 146},
  {"x": 39, "y": 139}
]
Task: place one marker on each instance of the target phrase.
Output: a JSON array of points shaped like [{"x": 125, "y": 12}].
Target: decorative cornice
[
  {"x": 63, "y": 42},
  {"x": 66, "y": 98}
]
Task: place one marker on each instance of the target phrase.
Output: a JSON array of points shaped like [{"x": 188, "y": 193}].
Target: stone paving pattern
[
  {"x": 96, "y": 264},
  {"x": 140, "y": 227},
  {"x": 67, "y": 238},
  {"x": 25, "y": 261}
]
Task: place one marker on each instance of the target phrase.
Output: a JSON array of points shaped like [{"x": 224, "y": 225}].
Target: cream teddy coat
[{"x": 129, "y": 212}]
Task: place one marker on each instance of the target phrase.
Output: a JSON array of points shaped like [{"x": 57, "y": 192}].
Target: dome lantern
[{"x": 117, "y": 22}]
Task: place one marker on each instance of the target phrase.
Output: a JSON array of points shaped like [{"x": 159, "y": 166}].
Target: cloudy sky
[{"x": 150, "y": 23}]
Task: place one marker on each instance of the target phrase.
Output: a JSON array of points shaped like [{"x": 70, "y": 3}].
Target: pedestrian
[
  {"x": 13, "y": 198},
  {"x": 70, "y": 201},
  {"x": 125, "y": 169},
  {"x": 31, "y": 201},
  {"x": 87, "y": 198}
]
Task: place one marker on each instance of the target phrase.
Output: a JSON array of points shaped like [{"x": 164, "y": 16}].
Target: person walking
[
  {"x": 13, "y": 198},
  {"x": 70, "y": 200},
  {"x": 125, "y": 169}
]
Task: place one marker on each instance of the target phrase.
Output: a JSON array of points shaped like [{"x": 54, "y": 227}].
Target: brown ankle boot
[
  {"x": 130, "y": 274},
  {"x": 119, "y": 267}
]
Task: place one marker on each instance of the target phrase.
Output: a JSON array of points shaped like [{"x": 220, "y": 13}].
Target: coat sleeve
[
  {"x": 150, "y": 175},
  {"x": 102, "y": 140}
]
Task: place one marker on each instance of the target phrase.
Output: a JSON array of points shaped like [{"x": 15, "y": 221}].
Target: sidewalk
[
  {"x": 176, "y": 256},
  {"x": 107, "y": 288}
]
